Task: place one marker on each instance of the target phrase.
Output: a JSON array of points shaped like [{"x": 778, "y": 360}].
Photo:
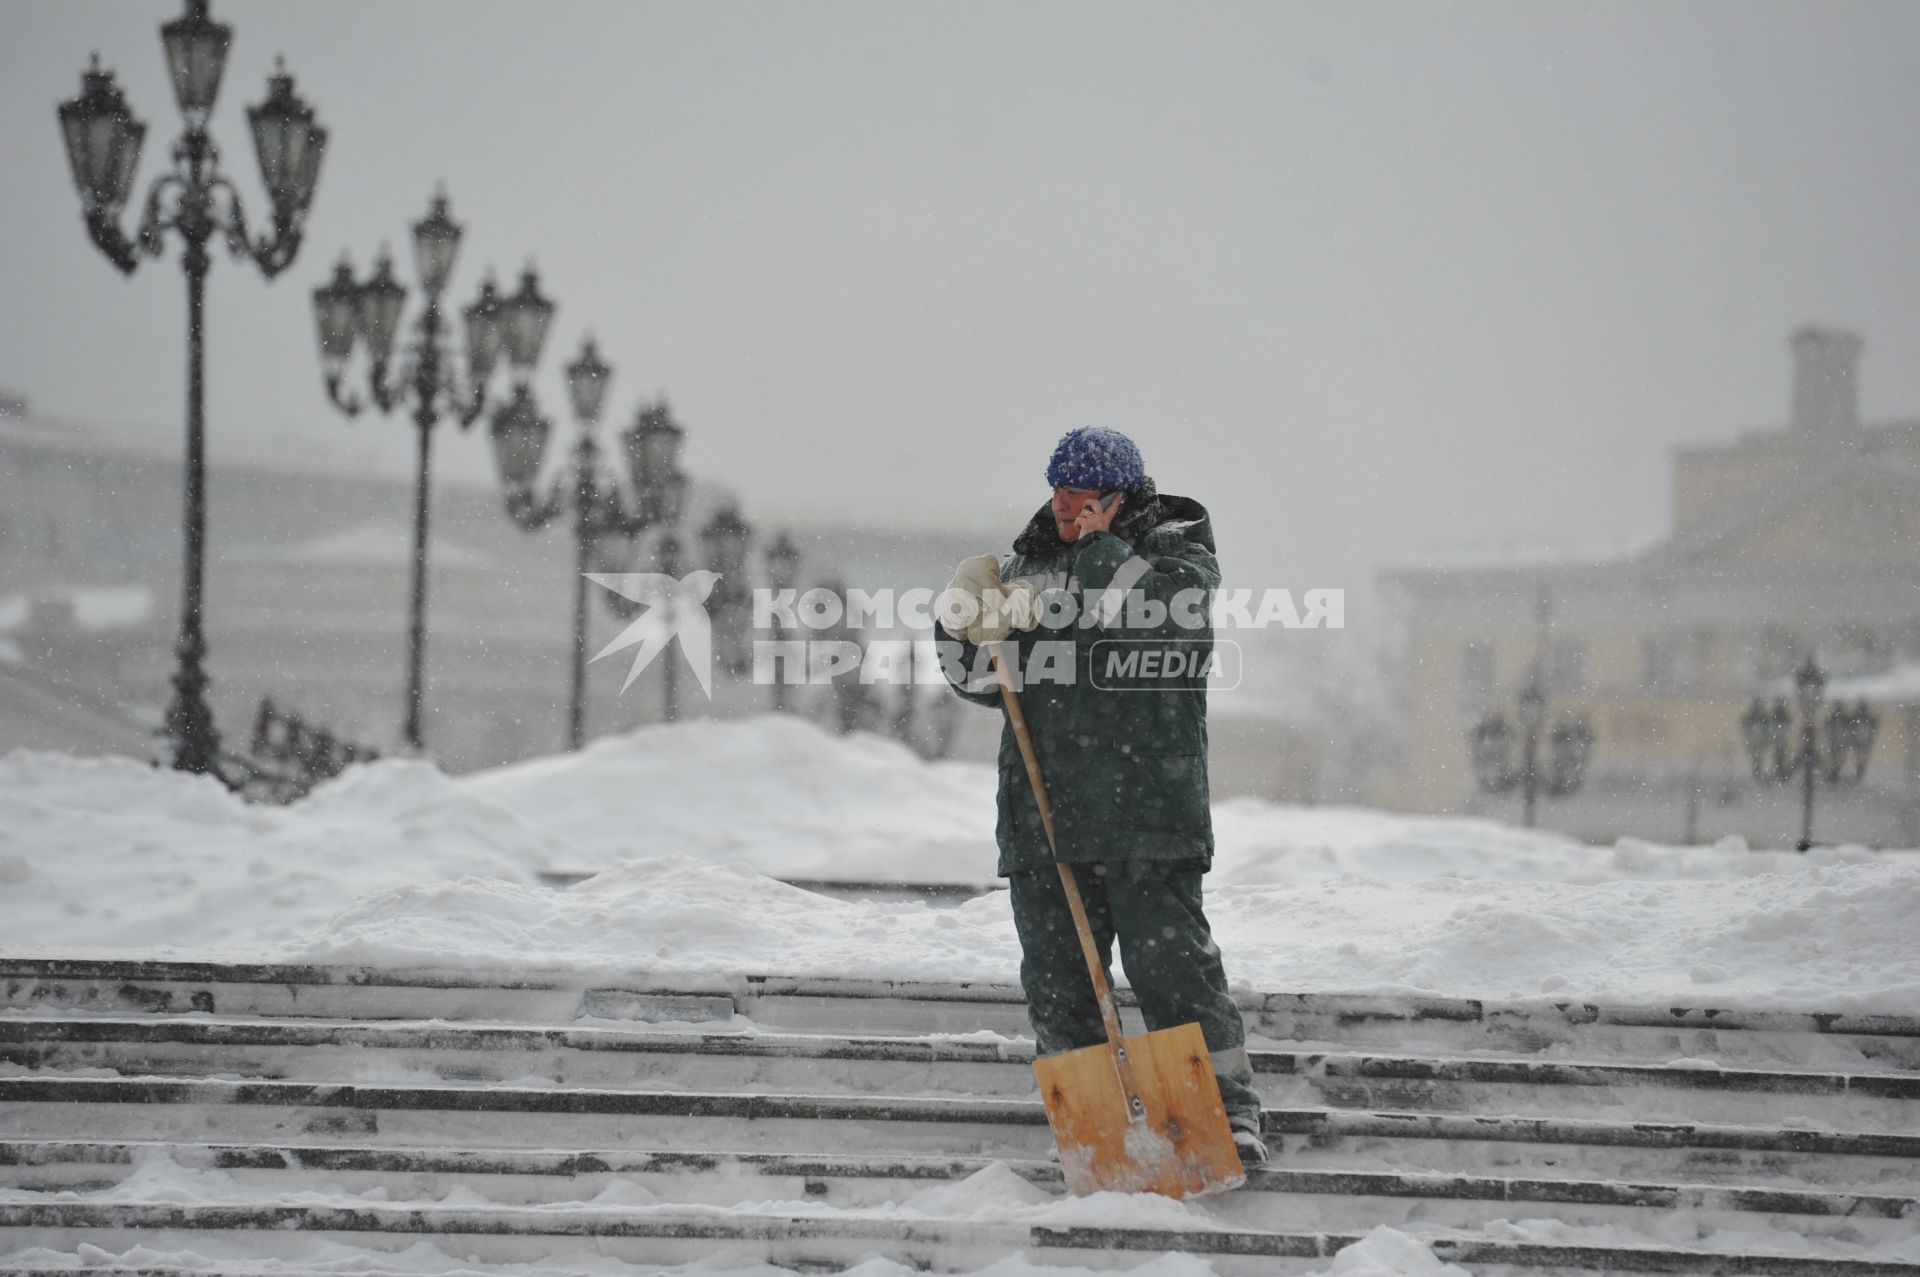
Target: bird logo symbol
[{"x": 678, "y": 608}]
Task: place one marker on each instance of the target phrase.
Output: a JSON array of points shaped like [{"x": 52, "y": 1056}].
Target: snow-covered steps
[
  {"x": 819, "y": 1122},
  {"x": 812, "y": 1241},
  {"x": 525, "y": 1117},
  {"x": 1286, "y": 1199},
  {"x": 316, "y": 1050},
  {"x": 1729, "y": 1035}
]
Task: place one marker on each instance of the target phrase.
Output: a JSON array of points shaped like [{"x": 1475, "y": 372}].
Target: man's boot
[
  {"x": 1247, "y": 1141},
  {"x": 1243, "y": 1105}
]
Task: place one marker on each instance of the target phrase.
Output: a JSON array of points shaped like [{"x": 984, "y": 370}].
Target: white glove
[
  {"x": 976, "y": 575},
  {"x": 1010, "y": 607},
  {"x": 1002, "y": 608}
]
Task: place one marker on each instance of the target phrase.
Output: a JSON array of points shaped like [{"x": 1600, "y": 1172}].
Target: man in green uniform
[{"x": 1107, "y": 594}]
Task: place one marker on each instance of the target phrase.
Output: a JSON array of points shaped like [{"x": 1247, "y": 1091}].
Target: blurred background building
[{"x": 1785, "y": 543}]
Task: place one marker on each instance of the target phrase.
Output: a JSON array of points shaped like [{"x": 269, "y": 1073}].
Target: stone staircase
[{"x": 244, "y": 1115}]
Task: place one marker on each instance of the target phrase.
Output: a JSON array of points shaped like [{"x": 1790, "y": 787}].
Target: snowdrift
[{"x": 691, "y": 826}]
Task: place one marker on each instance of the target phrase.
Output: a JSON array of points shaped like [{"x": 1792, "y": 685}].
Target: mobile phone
[{"x": 1106, "y": 502}]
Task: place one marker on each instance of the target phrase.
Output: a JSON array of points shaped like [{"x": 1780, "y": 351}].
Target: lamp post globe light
[
  {"x": 348, "y": 314},
  {"x": 195, "y": 199},
  {"x": 606, "y": 530},
  {"x": 1841, "y": 760},
  {"x": 725, "y": 539},
  {"x": 518, "y": 325}
]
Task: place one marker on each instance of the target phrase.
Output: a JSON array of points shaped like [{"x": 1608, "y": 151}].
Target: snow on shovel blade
[{"x": 1181, "y": 1148}]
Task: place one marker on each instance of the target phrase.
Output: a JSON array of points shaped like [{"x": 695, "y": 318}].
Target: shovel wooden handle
[{"x": 1116, "y": 1042}]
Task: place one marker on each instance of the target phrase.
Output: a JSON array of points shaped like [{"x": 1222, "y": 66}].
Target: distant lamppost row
[
  {"x": 783, "y": 573},
  {"x": 653, "y": 446},
  {"x": 103, "y": 146},
  {"x": 725, "y": 541},
  {"x": 1843, "y": 761},
  {"x": 667, "y": 559},
  {"x": 1495, "y": 768},
  {"x": 348, "y": 313},
  {"x": 600, "y": 512}
]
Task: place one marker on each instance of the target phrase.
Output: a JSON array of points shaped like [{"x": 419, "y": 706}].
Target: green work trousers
[{"x": 1171, "y": 961}]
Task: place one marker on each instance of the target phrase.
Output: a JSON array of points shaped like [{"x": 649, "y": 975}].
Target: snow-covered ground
[
  {"x": 692, "y": 825},
  {"x": 1384, "y": 1252},
  {"x": 692, "y": 828}
]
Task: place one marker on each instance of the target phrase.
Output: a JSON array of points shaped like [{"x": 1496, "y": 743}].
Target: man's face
[{"x": 1067, "y": 505}]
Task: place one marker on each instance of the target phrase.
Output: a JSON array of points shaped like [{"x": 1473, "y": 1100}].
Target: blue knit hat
[{"x": 1095, "y": 457}]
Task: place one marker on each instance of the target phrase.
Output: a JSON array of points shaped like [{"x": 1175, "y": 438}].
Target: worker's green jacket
[{"x": 1122, "y": 742}]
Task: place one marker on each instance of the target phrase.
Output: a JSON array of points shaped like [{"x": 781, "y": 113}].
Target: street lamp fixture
[
  {"x": 336, "y": 304},
  {"x": 724, "y": 541},
  {"x": 196, "y": 200},
  {"x": 289, "y": 145},
  {"x": 519, "y": 439},
  {"x": 347, "y": 313},
  {"x": 1777, "y": 757},
  {"x": 606, "y": 527},
  {"x": 587, "y": 379},
  {"x": 436, "y": 242},
  {"x": 653, "y": 444},
  {"x": 1569, "y": 746},
  {"x": 377, "y": 311},
  {"x": 783, "y": 574},
  {"x": 196, "y": 48},
  {"x": 103, "y": 148},
  {"x": 484, "y": 339},
  {"x": 524, "y": 318},
  {"x": 783, "y": 563}
]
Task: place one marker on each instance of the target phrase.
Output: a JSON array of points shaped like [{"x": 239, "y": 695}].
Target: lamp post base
[{"x": 192, "y": 739}]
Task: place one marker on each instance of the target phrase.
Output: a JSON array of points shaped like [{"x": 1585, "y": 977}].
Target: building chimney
[{"x": 1826, "y": 380}]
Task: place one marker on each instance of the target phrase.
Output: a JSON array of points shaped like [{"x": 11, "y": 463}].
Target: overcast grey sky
[{"x": 1369, "y": 279}]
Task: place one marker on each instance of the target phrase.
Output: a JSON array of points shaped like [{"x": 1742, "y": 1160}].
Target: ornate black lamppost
[
  {"x": 603, "y": 523},
  {"x": 725, "y": 540},
  {"x": 1570, "y": 743},
  {"x": 667, "y": 559},
  {"x": 653, "y": 448},
  {"x": 851, "y": 702},
  {"x": 783, "y": 573},
  {"x": 349, "y": 313},
  {"x": 1843, "y": 761},
  {"x": 197, "y": 200}
]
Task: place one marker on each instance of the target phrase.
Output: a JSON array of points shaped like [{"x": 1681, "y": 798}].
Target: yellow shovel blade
[{"x": 1183, "y": 1148}]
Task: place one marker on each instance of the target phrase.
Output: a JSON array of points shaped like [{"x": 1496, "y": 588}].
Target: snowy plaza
[{"x": 746, "y": 639}]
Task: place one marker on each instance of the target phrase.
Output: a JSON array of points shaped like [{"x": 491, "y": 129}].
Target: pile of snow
[
  {"x": 1259, "y": 842},
  {"x": 396, "y": 863},
  {"x": 669, "y": 916},
  {"x": 110, "y": 853},
  {"x": 796, "y": 802},
  {"x": 1833, "y": 937},
  {"x": 776, "y": 792}
]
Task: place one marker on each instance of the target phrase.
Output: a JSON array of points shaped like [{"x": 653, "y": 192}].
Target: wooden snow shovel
[{"x": 1132, "y": 1115}]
